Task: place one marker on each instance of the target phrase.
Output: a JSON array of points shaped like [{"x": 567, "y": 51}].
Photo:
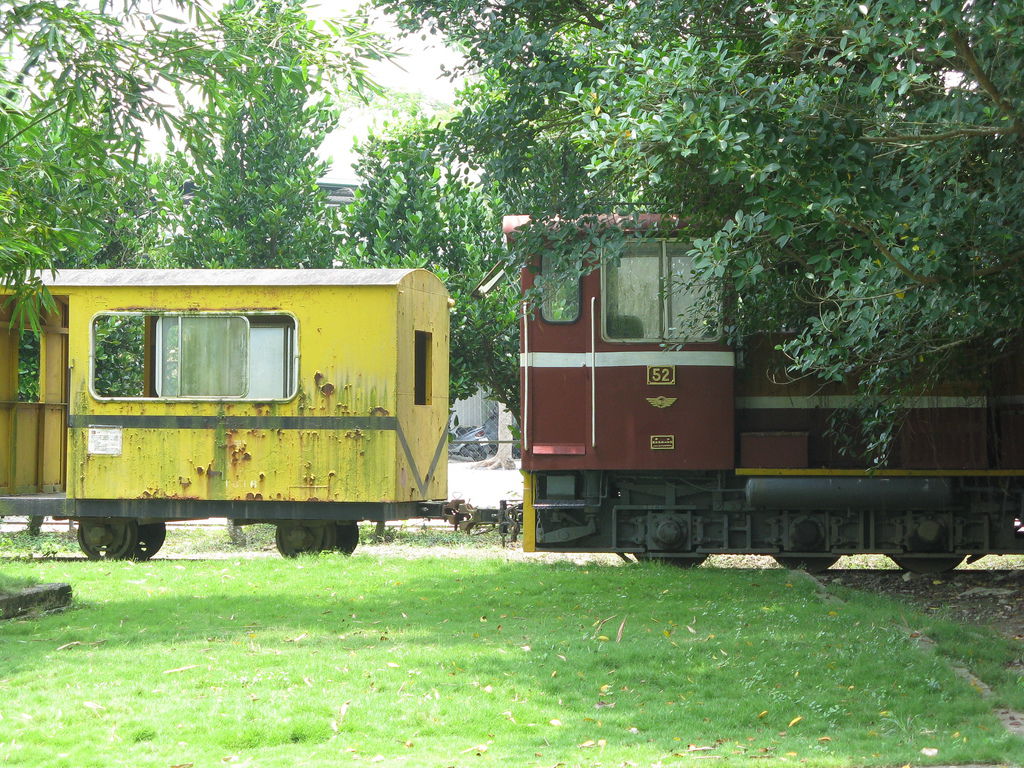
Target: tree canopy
[
  {"x": 85, "y": 88},
  {"x": 847, "y": 171},
  {"x": 256, "y": 202},
  {"x": 78, "y": 89}
]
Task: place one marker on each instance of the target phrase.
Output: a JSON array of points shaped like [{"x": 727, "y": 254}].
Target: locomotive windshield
[{"x": 649, "y": 295}]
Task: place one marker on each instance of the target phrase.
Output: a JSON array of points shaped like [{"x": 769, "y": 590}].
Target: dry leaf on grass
[{"x": 180, "y": 669}]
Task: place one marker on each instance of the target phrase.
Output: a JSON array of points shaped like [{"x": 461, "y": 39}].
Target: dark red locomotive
[{"x": 645, "y": 438}]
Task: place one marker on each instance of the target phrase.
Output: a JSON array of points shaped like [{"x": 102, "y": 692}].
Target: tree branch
[
  {"x": 32, "y": 124},
  {"x": 899, "y": 292},
  {"x": 587, "y": 14},
  {"x": 884, "y": 250},
  {"x": 966, "y": 55},
  {"x": 914, "y": 138}
]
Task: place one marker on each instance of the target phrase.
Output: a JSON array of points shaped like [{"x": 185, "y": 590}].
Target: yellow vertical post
[
  {"x": 37, "y": 481},
  {"x": 53, "y": 398},
  {"x": 8, "y": 398}
]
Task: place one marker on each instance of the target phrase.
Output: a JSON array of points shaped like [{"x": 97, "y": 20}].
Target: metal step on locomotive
[
  {"x": 309, "y": 399},
  {"x": 656, "y": 441}
]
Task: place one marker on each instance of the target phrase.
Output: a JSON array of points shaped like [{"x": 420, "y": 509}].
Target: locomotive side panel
[
  {"x": 1008, "y": 407},
  {"x": 559, "y": 428},
  {"x": 946, "y": 429}
]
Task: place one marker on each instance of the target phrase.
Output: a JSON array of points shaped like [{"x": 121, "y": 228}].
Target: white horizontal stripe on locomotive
[
  {"x": 695, "y": 358},
  {"x": 771, "y": 402}
]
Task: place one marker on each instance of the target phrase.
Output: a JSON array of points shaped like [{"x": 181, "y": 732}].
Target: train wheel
[
  {"x": 108, "y": 538},
  {"x": 151, "y": 538},
  {"x": 811, "y": 564},
  {"x": 683, "y": 561},
  {"x": 347, "y": 537},
  {"x": 918, "y": 564},
  {"x": 304, "y": 537}
]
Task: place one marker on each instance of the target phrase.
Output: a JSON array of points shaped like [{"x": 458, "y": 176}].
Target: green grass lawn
[{"x": 461, "y": 662}]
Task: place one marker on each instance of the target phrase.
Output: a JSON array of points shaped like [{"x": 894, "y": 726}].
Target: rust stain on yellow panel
[{"x": 268, "y": 465}]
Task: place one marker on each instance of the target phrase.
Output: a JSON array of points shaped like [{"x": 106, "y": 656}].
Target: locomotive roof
[{"x": 221, "y": 277}]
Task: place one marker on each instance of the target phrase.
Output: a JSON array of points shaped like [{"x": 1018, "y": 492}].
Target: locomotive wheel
[
  {"x": 811, "y": 564},
  {"x": 347, "y": 537},
  {"x": 917, "y": 564},
  {"x": 108, "y": 538},
  {"x": 151, "y": 538},
  {"x": 683, "y": 561},
  {"x": 304, "y": 537}
]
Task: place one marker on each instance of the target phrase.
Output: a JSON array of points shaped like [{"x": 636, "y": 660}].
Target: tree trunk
[{"x": 503, "y": 459}]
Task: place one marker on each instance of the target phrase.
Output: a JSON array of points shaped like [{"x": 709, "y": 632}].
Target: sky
[{"x": 418, "y": 71}]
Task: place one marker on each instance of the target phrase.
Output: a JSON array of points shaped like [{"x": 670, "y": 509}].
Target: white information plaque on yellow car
[{"x": 105, "y": 441}]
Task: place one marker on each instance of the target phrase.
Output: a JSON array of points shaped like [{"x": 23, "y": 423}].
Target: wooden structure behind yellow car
[{"x": 307, "y": 398}]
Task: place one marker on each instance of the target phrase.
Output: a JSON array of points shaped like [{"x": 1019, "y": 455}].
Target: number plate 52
[{"x": 661, "y": 374}]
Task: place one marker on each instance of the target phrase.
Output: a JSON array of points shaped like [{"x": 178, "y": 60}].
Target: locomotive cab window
[
  {"x": 559, "y": 296},
  {"x": 178, "y": 356},
  {"x": 649, "y": 295}
]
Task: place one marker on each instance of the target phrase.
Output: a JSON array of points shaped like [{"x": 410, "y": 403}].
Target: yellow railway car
[{"x": 310, "y": 399}]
